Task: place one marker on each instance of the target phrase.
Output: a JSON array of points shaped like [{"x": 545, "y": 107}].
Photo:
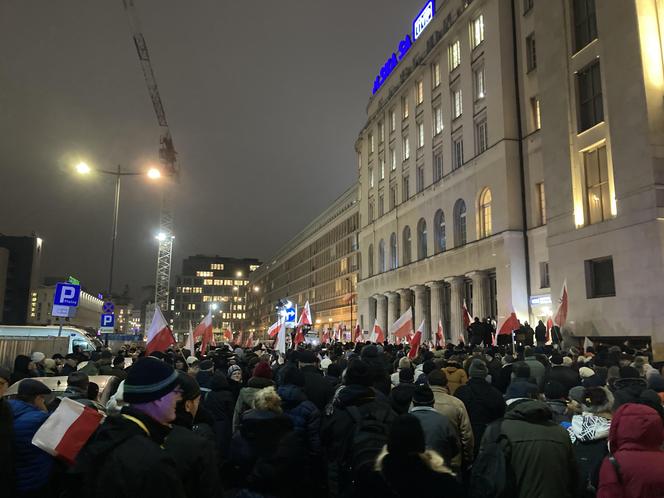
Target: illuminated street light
[
  {"x": 82, "y": 168},
  {"x": 154, "y": 173},
  {"x": 256, "y": 288},
  {"x": 161, "y": 236},
  {"x": 238, "y": 274}
]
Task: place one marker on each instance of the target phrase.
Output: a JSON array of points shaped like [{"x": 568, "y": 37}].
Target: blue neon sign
[{"x": 419, "y": 25}]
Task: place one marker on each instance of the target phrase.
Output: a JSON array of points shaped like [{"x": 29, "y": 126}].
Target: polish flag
[
  {"x": 159, "y": 336},
  {"x": 249, "y": 343},
  {"x": 190, "y": 340},
  {"x": 340, "y": 333},
  {"x": 377, "y": 335},
  {"x": 440, "y": 337},
  {"x": 228, "y": 335},
  {"x": 403, "y": 326},
  {"x": 357, "y": 333},
  {"x": 415, "y": 342},
  {"x": 299, "y": 336},
  {"x": 509, "y": 325},
  {"x": 281, "y": 339},
  {"x": 467, "y": 320},
  {"x": 587, "y": 343},
  {"x": 549, "y": 326},
  {"x": 305, "y": 317},
  {"x": 69, "y": 427},
  {"x": 561, "y": 314},
  {"x": 274, "y": 329},
  {"x": 204, "y": 330},
  {"x": 326, "y": 336}
]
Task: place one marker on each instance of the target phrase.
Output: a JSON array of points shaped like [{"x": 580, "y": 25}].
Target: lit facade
[{"x": 87, "y": 313}]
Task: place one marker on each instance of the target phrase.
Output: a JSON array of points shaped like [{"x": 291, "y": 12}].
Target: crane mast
[{"x": 167, "y": 156}]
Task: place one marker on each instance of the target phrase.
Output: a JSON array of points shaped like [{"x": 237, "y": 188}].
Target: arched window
[
  {"x": 371, "y": 260},
  {"x": 394, "y": 260},
  {"x": 406, "y": 246},
  {"x": 421, "y": 239},
  {"x": 460, "y": 237},
  {"x": 381, "y": 256},
  {"x": 439, "y": 227},
  {"x": 485, "y": 213}
]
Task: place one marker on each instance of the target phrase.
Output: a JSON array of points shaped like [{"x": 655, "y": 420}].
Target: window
[
  {"x": 437, "y": 165},
  {"x": 371, "y": 177},
  {"x": 191, "y": 307},
  {"x": 481, "y": 136},
  {"x": 457, "y": 152},
  {"x": 393, "y": 120},
  {"x": 435, "y": 74},
  {"x": 394, "y": 263},
  {"x": 535, "y": 108},
  {"x": 485, "y": 213},
  {"x": 437, "y": 120},
  {"x": 382, "y": 167},
  {"x": 253, "y": 267},
  {"x": 585, "y": 23},
  {"x": 480, "y": 87},
  {"x": 381, "y": 131},
  {"x": 381, "y": 205},
  {"x": 598, "y": 195},
  {"x": 405, "y": 147},
  {"x": 419, "y": 178},
  {"x": 404, "y": 107},
  {"x": 544, "y": 275},
  {"x": 381, "y": 256},
  {"x": 216, "y": 266},
  {"x": 419, "y": 92},
  {"x": 393, "y": 196},
  {"x": 527, "y": 5},
  {"x": 591, "y": 109},
  {"x": 460, "y": 235},
  {"x": 599, "y": 278},
  {"x": 208, "y": 281},
  {"x": 439, "y": 227},
  {"x": 371, "y": 260},
  {"x": 405, "y": 194},
  {"x": 371, "y": 142},
  {"x": 421, "y": 239},
  {"x": 393, "y": 159},
  {"x": 370, "y": 211},
  {"x": 205, "y": 274},
  {"x": 541, "y": 203},
  {"x": 477, "y": 31},
  {"x": 420, "y": 135},
  {"x": 457, "y": 103},
  {"x": 531, "y": 54},
  {"x": 406, "y": 258},
  {"x": 454, "y": 55}
]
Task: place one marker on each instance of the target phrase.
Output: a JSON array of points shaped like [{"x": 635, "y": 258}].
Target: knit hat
[
  {"x": 370, "y": 351},
  {"x": 655, "y": 382},
  {"x": 406, "y": 375},
  {"x": 423, "y": 395},
  {"x": 406, "y": 436},
  {"x": 37, "y": 356},
  {"x": 306, "y": 356},
  {"x": 556, "y": 359},
  {"x": 149, "y": 379},
  {"x": 32, "y": 387},
  {"x": 191, "y": 360},
  {"x": 567, "y": 361},
  {"x": 576, "y": 393},
  {"x": 437, "y": 378},
  {"x": 357, "y": 372},
  {"x": 206, "y": 366},
  {"x": 78, "y": 379},
  {"x": 190, "y": 388},
  {"x": 521, "y": 369},
  {"x": 585, "y": 372},
  {"x": 263, "y": 370},
  {"x": 233, "y": 368},
  {"x": 478, "y": 369}
]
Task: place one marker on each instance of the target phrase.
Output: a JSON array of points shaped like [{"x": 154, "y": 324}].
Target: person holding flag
[{"x": 159, "y": 337}]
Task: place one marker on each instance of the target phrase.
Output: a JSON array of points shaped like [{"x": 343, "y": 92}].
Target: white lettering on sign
[{"x": 423, "y": 20}]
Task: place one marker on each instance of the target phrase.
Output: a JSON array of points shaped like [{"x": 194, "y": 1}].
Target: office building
[{"x": 20, "y": 260}]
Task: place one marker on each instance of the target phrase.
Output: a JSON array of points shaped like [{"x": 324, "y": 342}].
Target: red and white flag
[
  {"x": 281, "y": 339},
  {"x": 415, "y": 342},
  {"x": 274, "y": 329},
  {"x": 228, "y": 335},
  {"x": 440, "y": 337},
  {"x": 64, "y": 433},
  {"x": 204, "y": 330},
  {"x": 560, "y": 317},
  {"x": 190, "y": 340},
  {"x": 509, "y": 325},
  {"x": 403, "y": 326},
  {"x": 299, "y": 336},
  {"x": 159, "y": 336},
  {"x": 357, "y": 333},
  {"x": 377, "y": 334},
  {"x": 249, "y": 343},
  {"x": 467, "y": 319},
  {"x": 549, "y": 326},
  {"x": 305, "y": 317},
  {"x": 326, "y": 336}
]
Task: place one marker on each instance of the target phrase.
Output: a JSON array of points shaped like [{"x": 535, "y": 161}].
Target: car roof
[{"x": 59, "y": 384}]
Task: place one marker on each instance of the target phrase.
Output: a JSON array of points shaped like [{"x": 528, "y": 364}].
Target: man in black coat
[
  {"x": 565, "y": 375},
  {"x": 318, "y": 390},
  {"x": 540, "y": 334}
]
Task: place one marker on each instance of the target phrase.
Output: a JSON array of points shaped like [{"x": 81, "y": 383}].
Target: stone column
[
  {"x": 480, "y": 293},
  {"x": 371, "y": 315},
  {"x": 436, "y": 306},
  {"x": 392, "y": 311},
  {"x": 456, "y": 302},
  {"x": 421, "y": 311},
  {"x": 381, "y": 311},
  {"x": 405, "y": 300}
]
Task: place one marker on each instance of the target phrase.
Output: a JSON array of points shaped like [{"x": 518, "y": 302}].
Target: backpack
[
  {"x": 367, "y": 440},
  {"x": 589, "y": 458},
  {"x": 491, "y": 475}
]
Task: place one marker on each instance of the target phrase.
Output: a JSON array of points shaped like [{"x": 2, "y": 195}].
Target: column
[
  {"x": 371, "y": 315},
  {"x": 480, "y": 293},
  {"x": 456, "y": 302},
  {"x": 436, "y": 289},
  {"x": 381, "y": 311},
  {"x": 421, "y": 311},
  {"x": 405, "y": 300},
  {"x": 392, "y": 310}
]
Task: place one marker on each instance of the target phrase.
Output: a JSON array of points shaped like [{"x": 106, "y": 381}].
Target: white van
[{"x": 77, "y": 337}]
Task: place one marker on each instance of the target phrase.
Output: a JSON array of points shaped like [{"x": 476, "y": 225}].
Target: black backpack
[
  {"x": 368, "y": 438},
  {"x": 492, "y": 476}
]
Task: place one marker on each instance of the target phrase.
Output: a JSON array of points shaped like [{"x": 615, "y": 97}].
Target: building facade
[
  {"x": 20, "y": 262},
  {"x": 212, "y": 283},
  {"x": 504, "y": 153},
  {"x": 87, "y": 315},
  {"x": 320, "y": 265}
]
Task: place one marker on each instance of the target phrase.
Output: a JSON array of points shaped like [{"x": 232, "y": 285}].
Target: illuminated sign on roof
[{"x": 423, "y": 19}]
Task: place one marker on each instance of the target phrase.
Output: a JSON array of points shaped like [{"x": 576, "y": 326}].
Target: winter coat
[
  {"x": 79, "y": 395},
  {"x": 220, "y": 404},
  {"x": 456, "y": 377},
  {"x": 537, "y": 371},
  {"x": 196, "y": 462},
  {"x": 540, "y": 452},
  {"x": 503, "y": 379},
  {"x": 540, "y": 333},
  {"x": 484, "y": 404},
  {"x": 636, "y": 437},
  {"x": 245, "y": 400},
  {"x": 318, "y": 390},
  {"x": 454, "y": 409},
  {"x": 558, "y": 409},
  {"x": 439, "y": 434},
  {"x": 589, "y": 435},
  {"x": 33, "y": 466},
  {"x": 521, "y": 387},
  {"x": 303, "y": 413},
  {"x": 401, "y": 397},
  {"x": 127, "y": 445},
  {"x": 567, "y": 377}
]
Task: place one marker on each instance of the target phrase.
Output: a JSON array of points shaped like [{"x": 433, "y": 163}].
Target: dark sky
[{"x": 264, "y": 99}]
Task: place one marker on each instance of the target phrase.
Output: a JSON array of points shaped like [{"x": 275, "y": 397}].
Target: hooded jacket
[
  {"x": 456, "y": 377},
  {"x": 589, "y": 433},
  {"x": 303, "y": 413},
  {"x": 245, "y": 400},
  {"x": 635, "y": 439}
]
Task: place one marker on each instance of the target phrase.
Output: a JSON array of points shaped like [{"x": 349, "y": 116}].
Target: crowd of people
[{"x": 346, "y": 420}]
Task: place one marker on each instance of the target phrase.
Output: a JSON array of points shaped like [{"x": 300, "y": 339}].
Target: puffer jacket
[
  {"x": 589, "y": 434},
  {"x": 636, "y": 437},
  {"x": 456, "y": 377},
  {"x": 33, "y": 466},
  {"x": 220, "y": 404},
  {"x": 245, "y": 400},
  {"x": 456, "y": 412},
  {"x": 303, "y": 413}
]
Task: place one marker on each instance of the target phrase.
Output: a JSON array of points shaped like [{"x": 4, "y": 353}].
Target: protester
[
  {"x": 456, "y": 375},
  {"x": 559, "y": 372},
  {"x": 521, "y": 385},
  {"x": 402, "y": 395},
  {"x": 316, "y": 388},
  {"x": 7, "y": 475},
  {"x": 260, "y": 379},
  {"x": 24, "y": 368},
  {"x": 555, "y": 398},
  {"x": 439, "y": 433},
  {"x": 537, "y": 369}
]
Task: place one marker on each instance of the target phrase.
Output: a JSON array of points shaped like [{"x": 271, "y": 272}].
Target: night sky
[{"x": 264, "y": 99}]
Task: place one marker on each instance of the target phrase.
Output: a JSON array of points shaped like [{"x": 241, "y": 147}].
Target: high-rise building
[
  {"x": 523, "y": 145},
  {"x": 212, "y": 283},
  {"x": 20, "y": 260}
]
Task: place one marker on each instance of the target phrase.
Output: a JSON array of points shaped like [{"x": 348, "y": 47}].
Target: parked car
[{"x": 108, "y": 384}]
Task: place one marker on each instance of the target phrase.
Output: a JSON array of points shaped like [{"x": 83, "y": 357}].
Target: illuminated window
[
  {"x": 186, "y": 290},
  {"x": 419, "y": 92},
  {"x": 454, "y": 55},
  {"x": 393, "y": 120},
  {"x": 480, "y": 86},
  {"x": 238, "y": 282},
  {"x": 477, "y": 31},
  {"x": 437, "y": 120},
  {"x": 598, "y": 201},
  {"x": 460, "y": 235},
  {"x": 531, "y": 53},
  {"x": 217, "y": 266},
  {"x": 196, "y": 290},
  {"x": 541, "y": 202},
  {"x": 585, "y": 23},
  {"x": 371, "y": 177},
  {"x": 485, "y": 213},
  {"x": 457, "y": 103},
  {"x": 192, "y": 306},
  {"x": 393, "y": 159},
  {"x": 435, "y": 74},
  {"x": 253, "y": 267},
  {"x": 371, "y": 142},
  {"x": 382, "y": 167},
  {"x": 535, "y": 108},
  {"x": 420, "y": 135},
  {"x": 228, "y": 282},
  {"x": 381, "y": 131},
  {"x": 204, "y": 274},
  {"x": 406, "y": 147},
  {"x": 404, "y": 107},
  {"x": 207, "y": 299},
  {"x": 208, "y": 281},
  {"x": 218, "y": 281}
]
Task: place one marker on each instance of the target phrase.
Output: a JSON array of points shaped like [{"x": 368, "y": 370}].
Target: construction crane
[{"x": 168, "y": 158}]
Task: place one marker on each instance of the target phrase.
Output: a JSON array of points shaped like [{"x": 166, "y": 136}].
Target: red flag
[
  {"x": 299, "y": 337},
  {"x": 159, "y": 336},
  {"x": 509, "y": 325},
  {"x": 228, "y": 335},
  {"x": 415, "y": 343},
  {"x": 440, "y": 337},
  {"x": 326, "y": 336},
  {"x": 561, "y": 315},
  {"x": 249, "y": 342},
  {"x": 274, "y": 329},
  {"x": 466, "y": 316},
  {"x": 208, "y": 336},
  {"x": 403, "y": 326},
  {"x": 549, "y": 326},
  {"x": 377, "y": 335},
  {"x": 357, "y": 333},
  {"x": 305, "y": 317},
  {"x": 202, "y": 327}
]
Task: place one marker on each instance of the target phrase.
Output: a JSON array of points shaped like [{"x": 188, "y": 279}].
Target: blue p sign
[
  {"x": 66, "y": 294},
  {"x": 107, "y": 320}
]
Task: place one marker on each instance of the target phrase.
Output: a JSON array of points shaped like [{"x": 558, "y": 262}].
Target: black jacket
[
  {"x": 401, "y": 397},
  {"x": 318, "y": 390},
  {"x": 304, "y": 415},
  {"x": 220, "y": 403},
  {"x": 484, "y": 404},
  {"x": 567, "y": 377},
  {"x": 540, "y": 333}
]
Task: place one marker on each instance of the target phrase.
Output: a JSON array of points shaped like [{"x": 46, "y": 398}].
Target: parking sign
[
  {"x": 107, "y": 323},
  {"x": 66, "y": 294}
]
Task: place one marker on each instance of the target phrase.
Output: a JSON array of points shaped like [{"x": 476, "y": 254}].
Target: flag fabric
[
  {"x": 561, "y": 314},
  {"x": 274, "y": 329},
  {"x": 467, "y": 320},
  {"x": 440, "y": 337},
  {"x": 326, "y": 336},
  {"x": 281, "y": 339},
  {"x": 305, "y": 317},
  {"x": 549, "y": 326},
  {"x": 587, "y": 343},
  {"x": 159, "y": 336},
  {"x": 299, "y": 336},
  {"x": 377, "y": 334},
  {"x": 204, "y": 330},
  {"x": 190, "y": 340},
  {"x": 228, "y": 335},
  {"x": 415, "y": 342},
  {"x": 510, "y": 324},
  {"x": 69, "y": 427},
  {"x": 357, "y": 333},
  {"x": 249, "y": 342},
  {"x": 403, "y": 326}
]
